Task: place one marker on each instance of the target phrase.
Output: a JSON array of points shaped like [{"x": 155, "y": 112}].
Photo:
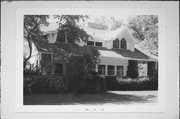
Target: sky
[{"x": 53, "y": 25}]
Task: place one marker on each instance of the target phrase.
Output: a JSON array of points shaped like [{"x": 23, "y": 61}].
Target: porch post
[
  {"x": 106, "y": 70},
  {"x": 115, "y": 69}
]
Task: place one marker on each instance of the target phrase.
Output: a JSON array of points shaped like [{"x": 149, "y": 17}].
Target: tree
[
  {"x": 70, "y": 33},
  {"x": 146, "y": 29},
  {"x": 32, "y": 31}
]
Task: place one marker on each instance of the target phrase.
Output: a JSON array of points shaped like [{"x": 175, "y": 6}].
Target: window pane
[
  {"x": 116, "y": 43},
  {"x": 98, "y": 44},
  {"x": 91, "y": 43},
  {"x": 123, "y": 44},
  {"x": 101, "y": 69},
  {"x": 119, "y": 70},
  {"x": 58, "y": 69},
  {"x": 110, "y": 70}
]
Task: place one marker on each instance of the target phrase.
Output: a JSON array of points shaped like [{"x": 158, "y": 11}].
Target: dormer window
[
  {"x": 116, "y": 43},
  {"x": 123, "y": 44},
  {"x": 98, "y": 44},
  {"x": 90, "y": 43}
]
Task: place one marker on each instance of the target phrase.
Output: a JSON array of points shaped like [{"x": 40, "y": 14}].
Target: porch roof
[
  {"x": 104, "y": 52},
  {"x": 125, "y": 54}
]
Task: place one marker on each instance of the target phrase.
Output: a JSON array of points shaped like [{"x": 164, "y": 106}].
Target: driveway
[{"x": 111, "y": 97}]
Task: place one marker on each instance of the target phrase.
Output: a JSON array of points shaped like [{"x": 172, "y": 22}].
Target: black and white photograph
[{"x": 90, "y": 59}]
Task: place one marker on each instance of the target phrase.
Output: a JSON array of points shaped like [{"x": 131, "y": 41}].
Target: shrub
[
  {"x": 91, "y": 83},
  {"x": 141, "y": 83},
  {"x": 57, "y": 84},
  {"x": 96, "y": 84},
  {"x": 36, "y": 84},
  {"x": 132, "y": 69}
]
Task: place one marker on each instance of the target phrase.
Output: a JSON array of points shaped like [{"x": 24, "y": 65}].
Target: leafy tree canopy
[
  {"x": 69, "y": 31},
  {"x": 111, "y": 22},
  {"x": 146, "y": 30},
  {"x": 32, "y": 31}
]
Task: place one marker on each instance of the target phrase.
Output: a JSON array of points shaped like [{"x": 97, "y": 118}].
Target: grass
[{"x": 111, "y": 97}]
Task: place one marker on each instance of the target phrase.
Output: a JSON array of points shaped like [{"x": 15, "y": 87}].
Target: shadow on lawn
[{"x": 90, "y": 99}]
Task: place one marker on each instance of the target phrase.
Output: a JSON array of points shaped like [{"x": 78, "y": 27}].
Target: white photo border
[{"x": 159, "y": 107}]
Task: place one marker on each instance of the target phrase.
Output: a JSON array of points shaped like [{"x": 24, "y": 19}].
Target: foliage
[
  {"x": 78, "y": 57},
  {"x": 93, "y": 83},
  {"x": 75, "y": 76},
  {"x": 81, "y": 56},
  {"x": 71, "y": 34},
  {"x": 36, "y": 84},
  {"x": 146, "y": 29},
  {"x": 79, "y": 80},
  {"x": 57, "y": 84},
  {"x": 132, "y": 69},
  {"x": 32, "y": 31},
  {"x": 125, "y": 83},
  {"x": 69, "y": 31},
  {"x": 30, "y": 71},
  {"x": 110, "y": 22}
]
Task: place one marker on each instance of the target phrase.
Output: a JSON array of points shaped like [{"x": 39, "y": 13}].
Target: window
[
  {"x": 58, "y": 69},
  {"x": 91, "y": 43},
  {"x": 116, "y": 43},
  {"x": 119, "y": 70},
  {"x": 110, "y": 70},
  {"x": 123, "y": 44},
  {"x": 101, "y": 69},
  {"x": 98, "y": 44}
]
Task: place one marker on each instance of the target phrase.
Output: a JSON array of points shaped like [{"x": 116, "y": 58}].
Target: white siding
[{"x": 129, "y": 40}]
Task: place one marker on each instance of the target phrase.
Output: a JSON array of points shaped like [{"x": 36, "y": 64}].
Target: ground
[{"x": 111, "y": 97}]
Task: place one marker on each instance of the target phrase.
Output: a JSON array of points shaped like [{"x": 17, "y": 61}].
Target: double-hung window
[
  {"x": 98, "y": 44},
  {"x": 119, "y": 70},
  {"x": 111, "y": 70},
  {"x": 101, "y": 69},
  {"x": 90, "y": 43}
]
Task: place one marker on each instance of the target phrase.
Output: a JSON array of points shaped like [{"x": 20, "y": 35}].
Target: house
[{"x": 119, "y": 54}]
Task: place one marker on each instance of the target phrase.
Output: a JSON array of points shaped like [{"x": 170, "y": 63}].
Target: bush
[
  {"x": 141, "y": 83},
  {"x": 132, "y": 69},
  {"x": 36, "y": 84},
  {"x": 96, "y": 83},
  {"x": 58, "y": 84},
  {"x": 91, "y": 83},
  {"x": 80, "y": 80}
]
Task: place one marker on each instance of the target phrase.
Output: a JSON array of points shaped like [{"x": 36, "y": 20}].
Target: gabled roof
[
  {"x": 104, "y": 52},
  {"x": 133, "y": 55},
  {"x": 109, "y": 34},
  {"x": 124, "y": 54}
]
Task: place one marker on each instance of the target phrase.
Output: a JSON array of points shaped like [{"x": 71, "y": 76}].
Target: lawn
[{"x": 111, "y": 97}]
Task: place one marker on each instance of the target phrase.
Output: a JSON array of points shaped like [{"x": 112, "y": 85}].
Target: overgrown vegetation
[
  {"x": 32, "y": 32},
  {"x": 146, "y": 29},
  {"x": 141, "y": 83}
]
